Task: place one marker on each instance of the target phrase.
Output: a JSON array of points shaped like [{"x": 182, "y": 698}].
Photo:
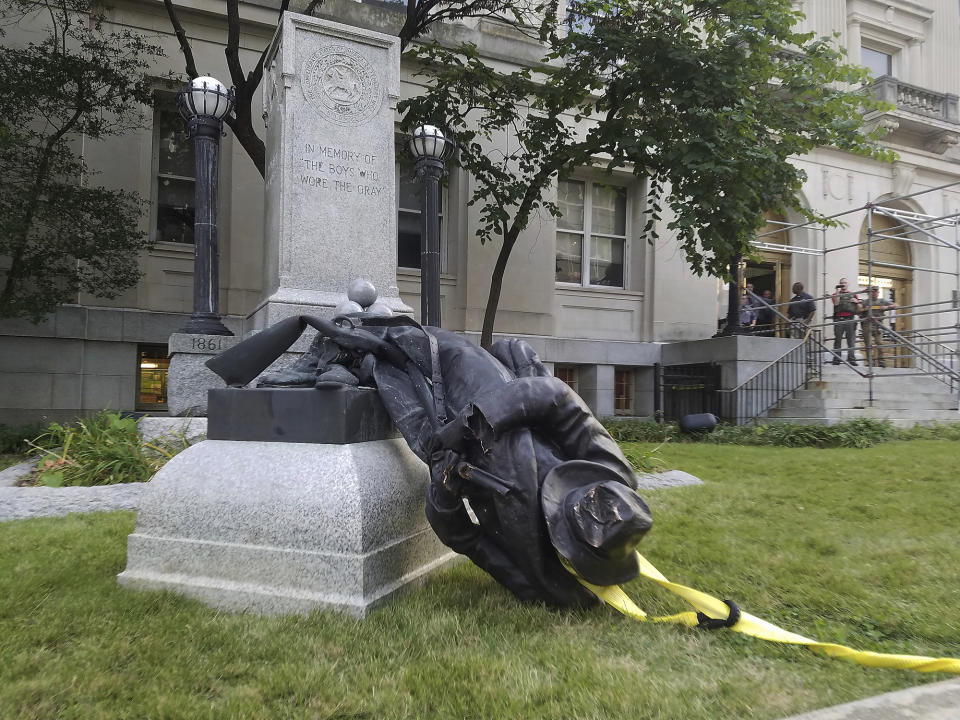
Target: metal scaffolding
[{"x": 933, "y": 349}]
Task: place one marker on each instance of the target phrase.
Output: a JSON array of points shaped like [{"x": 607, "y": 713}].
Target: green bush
[
  {"x": 100, "y": 450},
  {"x": 15, "y": 439},
  {"x": 858, "y": 433},
  {"x": 936, "y": 431},
  {"x": 630, "y": 430}
]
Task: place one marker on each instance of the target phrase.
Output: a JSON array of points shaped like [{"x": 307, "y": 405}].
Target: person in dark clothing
[
  {"x": 541, "y": 474},
  {"x": 800, "y": 311},
  {"x": 766, "y": 317},
  {"x": 748, "y": 314},
  {"x": 846, "y": 305}
]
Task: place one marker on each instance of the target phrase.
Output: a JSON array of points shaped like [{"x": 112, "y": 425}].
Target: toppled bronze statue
[{"x": 540, "y": 473}]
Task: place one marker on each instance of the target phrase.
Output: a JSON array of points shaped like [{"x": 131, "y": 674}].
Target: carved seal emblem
[{"x": 341, "y": 85}]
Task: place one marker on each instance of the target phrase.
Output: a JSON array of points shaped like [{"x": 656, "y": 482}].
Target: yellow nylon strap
[{"x": 748, "y": 624}]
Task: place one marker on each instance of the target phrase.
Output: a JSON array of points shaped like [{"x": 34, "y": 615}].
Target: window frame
[
  {"x": 401, "y": 147},
  {"x": 587, "y": 235},
  {"x": 631, "y": 391},
  {"x": 142, "y": 349},
  {"x": 892, "y": 54},
  {"x": 574, "y": 370},
  {"x": 156, "y": 176}
]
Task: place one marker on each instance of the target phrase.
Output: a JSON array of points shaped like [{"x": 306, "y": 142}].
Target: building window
[
  {"x": 591, "y": 233},
  {"x": 408, "y": 214},
  {"x": 623, "y": 391},
  {"x": 152, "y": 377},
  {"x": 174, "y": 172},
  {"x": 569, "y": 374},
  {"x": 877, "y": 62}
]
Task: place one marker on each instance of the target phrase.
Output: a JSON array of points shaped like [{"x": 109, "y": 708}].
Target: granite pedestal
[
  {"x": 330, "y": 94},
  {"x": 189, "y": 378},
  {"x": 286, "y": 527}
]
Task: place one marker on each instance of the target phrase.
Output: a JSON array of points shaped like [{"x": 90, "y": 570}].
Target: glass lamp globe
[
  {"x": 207, "y": 97},
  {"x": 429, "y": 141}
]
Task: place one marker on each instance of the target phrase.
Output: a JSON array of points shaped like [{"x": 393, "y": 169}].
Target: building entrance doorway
[
  {"x": 883, "y": 264},
  {"x": 770, "y": 272}
]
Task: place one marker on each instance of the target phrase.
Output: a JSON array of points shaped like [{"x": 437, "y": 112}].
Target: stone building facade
[{"x": 601, "y": 325}]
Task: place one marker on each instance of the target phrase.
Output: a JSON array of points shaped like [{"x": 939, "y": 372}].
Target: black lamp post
[
  {"x": 204, "y": 102},
  {"x": 733, "y": 300},
  {"x": 430, "y": 148}
]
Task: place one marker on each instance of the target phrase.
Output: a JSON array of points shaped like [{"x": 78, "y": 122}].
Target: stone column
[
  {"x": 330, "y": 93},
  {"x": 914, "y": 71},
  {"x": 596, "y": 388},
  {"x": 853, "y": 42},
  {"x": 643, "y": 380}
]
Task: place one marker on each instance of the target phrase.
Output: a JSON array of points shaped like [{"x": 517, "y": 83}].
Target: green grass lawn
[{"x": 860, "y": 547}]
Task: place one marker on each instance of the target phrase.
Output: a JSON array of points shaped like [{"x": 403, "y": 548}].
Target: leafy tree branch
[
  {"x": 419, "y": 16},
  {"x": 59, "y": 235},
  {"x": 707, "y": 101}
]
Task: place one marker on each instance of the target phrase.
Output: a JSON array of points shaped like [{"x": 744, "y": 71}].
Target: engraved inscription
[
  {"x": 343, "y": 170},
  {"x": 341, "y": 85},
  {"x": 201, "y": 342}
]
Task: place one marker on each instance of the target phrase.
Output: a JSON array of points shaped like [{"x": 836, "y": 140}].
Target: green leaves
[
  {"x": 711, "y": 100},
  {"x": 101, "y": 450},
  {"x": 708, "y": 101},
  {"x": 64, "y": 235}
]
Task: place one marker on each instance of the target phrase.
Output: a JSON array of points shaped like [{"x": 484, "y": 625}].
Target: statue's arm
[
  {"x": 550, "y": 405},
  {"x": 521, "y": 359},
  {"x": 449, "y": 519}
]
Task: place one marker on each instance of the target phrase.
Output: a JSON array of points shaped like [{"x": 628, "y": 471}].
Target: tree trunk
[
  {"x": 496, "y": 285},
  {"x": 520, "y": 220},
  {"x": 249, "y": 140}
]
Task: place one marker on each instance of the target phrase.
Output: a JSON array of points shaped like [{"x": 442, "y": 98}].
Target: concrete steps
[{"x": 841, "y": 395}]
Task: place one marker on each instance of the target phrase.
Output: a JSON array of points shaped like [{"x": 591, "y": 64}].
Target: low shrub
[
  {"x": 15, "y": 439},
  {"x": 631, "y": 430},
  {"x": 857, "y": 433},
  {"x": 937, "y": 431},
  {"x": 100, "y": 450}
]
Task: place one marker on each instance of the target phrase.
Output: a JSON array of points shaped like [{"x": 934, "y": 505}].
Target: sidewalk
[{"x": 936, "y": 701}]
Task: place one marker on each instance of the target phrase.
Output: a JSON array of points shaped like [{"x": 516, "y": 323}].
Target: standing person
[
  {"x": 846, "y": 305},
  {"x": 870, "y": 323},
  {"x": 800, "y": 311},
  {"x": 766, "y": 317},
  {"x": 748, "y": 315}
]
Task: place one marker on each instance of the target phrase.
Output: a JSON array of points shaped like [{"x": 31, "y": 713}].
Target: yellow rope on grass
[{"x": 614, "y": 596}]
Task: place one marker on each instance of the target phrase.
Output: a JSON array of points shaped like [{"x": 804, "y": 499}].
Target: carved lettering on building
[{"x": 341, "y": 85}]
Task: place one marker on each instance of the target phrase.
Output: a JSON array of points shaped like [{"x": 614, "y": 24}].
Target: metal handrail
[
  {"x": 940, "y": 369},
  {"x": 947, "y": 375},
  {"x": 818, "y": 341},
  {"x": 930, "y": 341},
  {"x": 769, "y": 363},
  {"x": 887, "y": 330},
  {"x": 949, "y": 303},
  {"x": 766, "y": 388}
]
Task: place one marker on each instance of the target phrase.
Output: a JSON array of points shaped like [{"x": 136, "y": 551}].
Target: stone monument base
[
  {"x": 189, "y": 378},
  {"x": 279, "y": 527}
]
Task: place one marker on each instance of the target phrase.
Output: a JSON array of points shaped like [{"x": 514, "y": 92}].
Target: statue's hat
[{"x": 595, "y": 520}]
